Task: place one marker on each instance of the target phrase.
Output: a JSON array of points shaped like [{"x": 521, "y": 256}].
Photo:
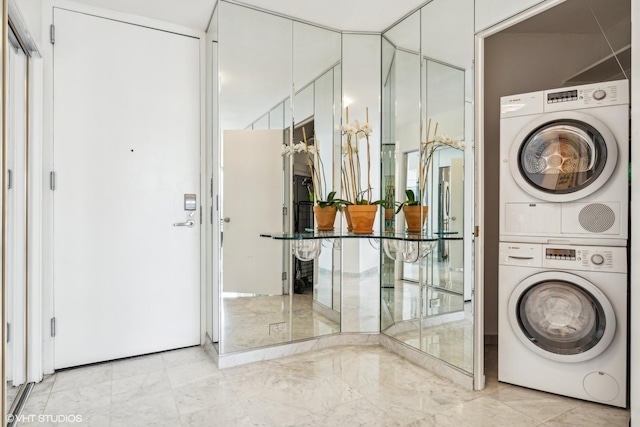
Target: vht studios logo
[{"x": 44, "y": 418}]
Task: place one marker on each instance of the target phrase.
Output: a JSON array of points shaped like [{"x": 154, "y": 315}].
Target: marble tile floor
[
  {"x": 339, "y": 386},
  {"x": 452, "y": 342},
  {"x": 246, "y": 320},
  {"x": 448, "y": 337}
]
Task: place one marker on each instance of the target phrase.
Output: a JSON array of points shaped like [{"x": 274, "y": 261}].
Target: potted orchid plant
[
  {"x": 324, "y": 209},
  {"x": 360, "y": 211},
  {"x": 414, "y": 211}
]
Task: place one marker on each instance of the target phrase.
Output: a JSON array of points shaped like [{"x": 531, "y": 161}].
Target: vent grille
[{"x": 596, "y": 218}]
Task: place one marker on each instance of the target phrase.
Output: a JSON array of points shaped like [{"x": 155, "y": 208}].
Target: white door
[
  {"x": 252, "y": 204},
  {"x": 126, "y": 151}
]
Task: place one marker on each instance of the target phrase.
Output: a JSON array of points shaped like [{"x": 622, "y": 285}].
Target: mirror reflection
[
  {"x": 317, "y": 85},
  {"x": 427, "y": 303},
  {"x": 250, "y": 40},
  {"x": 15, "y": 240},
  {"x": 401, "y": 134},
  {"x": 267, "y": 119}
]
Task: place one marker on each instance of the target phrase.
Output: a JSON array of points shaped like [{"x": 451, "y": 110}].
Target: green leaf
[
  {"x": 411, "y": 200},
  {"x": 411, "y": 197}
]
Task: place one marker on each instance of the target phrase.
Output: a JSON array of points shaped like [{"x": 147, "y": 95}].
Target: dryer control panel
[{"x": 586, "y": 258}]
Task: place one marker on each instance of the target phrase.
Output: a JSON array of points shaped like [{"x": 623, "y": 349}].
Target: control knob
[
  {"x": 597, "y": 259},
  {"x": 599, "y": 94}
]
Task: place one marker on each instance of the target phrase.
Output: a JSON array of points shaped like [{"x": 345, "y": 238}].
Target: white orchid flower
[
  {"x": 299, "y": 147},
  {"x": 285, "y": 150},
  {"x": 313, "y": 149},
  {"x": 366, "y": 128},
  {"x": 444, "y": 139}
]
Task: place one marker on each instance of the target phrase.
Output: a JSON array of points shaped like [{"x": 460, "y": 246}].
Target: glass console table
[{"x": 408, "y": 247}]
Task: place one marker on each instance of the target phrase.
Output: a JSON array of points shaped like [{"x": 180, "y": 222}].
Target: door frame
[{"x": 47, "y": 302}]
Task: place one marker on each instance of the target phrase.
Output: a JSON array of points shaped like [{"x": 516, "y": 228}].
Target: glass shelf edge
[{"x": 415, "y": 237}]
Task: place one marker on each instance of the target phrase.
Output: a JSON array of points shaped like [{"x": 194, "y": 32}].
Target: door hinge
[
  {"x": 217, "y": 204},
  {"x": 8, "y": 332},
  {"x": 211, "y": 187},
  {"x": 211, "y": 215},
  {"x": 52, "y": 180},
  {"x": 53, "y": 327},
  {"x": 284, "y": 275},
  {"x": 476, "y": 231},
  {"x": 200, "y": 214},
  {"x": 9, "y": 179},
  {"x": 52, "y": 33},
  {"x": 285, "y": 210}
]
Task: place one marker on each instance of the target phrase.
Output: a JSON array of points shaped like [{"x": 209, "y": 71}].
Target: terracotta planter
[
  {"x": 345, "y": 211},
  {"x": 362, "y": 218},
  {"x": 325, "y": 217},
  {"x": 388, "y": 214},
  {"x": 415, "y": 216}
]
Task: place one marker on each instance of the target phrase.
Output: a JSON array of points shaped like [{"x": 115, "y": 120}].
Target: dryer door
[
  {"x": 561, "y": 316},
  {"x": 563, "y": 156}
]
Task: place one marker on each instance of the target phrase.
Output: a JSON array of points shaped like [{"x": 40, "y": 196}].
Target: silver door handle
[{"x": 184, "y": 224}]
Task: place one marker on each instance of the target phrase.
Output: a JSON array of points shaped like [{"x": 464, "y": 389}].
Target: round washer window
[
  {"x": 562, "y": 156},
  {"x": 560, "y": 317}
]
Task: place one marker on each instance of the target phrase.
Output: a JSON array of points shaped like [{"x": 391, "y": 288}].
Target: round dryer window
[
  {"x": 563, "y": 156},
  {"x": 562, "y": 317}
]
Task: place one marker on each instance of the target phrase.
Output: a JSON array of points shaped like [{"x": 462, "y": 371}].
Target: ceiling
[{"x": 344, "y": 15}]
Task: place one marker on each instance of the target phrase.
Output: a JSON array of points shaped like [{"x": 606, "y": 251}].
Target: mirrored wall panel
[
  {"x": 401, "y": 136},
  {"x": 427, "y": 167},
  {"x": 280, "y": 82},
  {"x": 317, "y": 82},
  {"x": 15, "y": 239}
]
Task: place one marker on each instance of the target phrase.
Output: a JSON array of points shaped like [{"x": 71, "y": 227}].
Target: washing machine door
[
  {"x": 563, "y": 156},
  {"x": 561, "y": 316}
]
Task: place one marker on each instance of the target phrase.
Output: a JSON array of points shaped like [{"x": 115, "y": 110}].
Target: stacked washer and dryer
[{"x": 564, "y": 209}]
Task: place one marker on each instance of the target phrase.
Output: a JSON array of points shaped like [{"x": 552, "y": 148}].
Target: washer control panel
[
  {"x": 592, "y": 258},
  {"x": 587, "y": 96},
  {"x": 557, "y": 253}
]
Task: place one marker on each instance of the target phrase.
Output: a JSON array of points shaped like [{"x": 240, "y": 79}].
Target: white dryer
[
  {"x": 564, "y": 164},
  {"x": 562, "y": 322}
]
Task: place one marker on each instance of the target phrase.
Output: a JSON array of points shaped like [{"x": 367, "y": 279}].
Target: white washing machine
[
  {"x": 562, "y": 322},
  {"x": 564, "y": 164}
]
